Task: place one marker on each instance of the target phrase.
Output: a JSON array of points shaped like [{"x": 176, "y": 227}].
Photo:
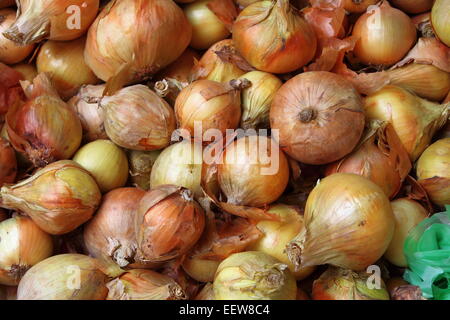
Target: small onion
[
  {"x": 59, "y": 197},
  {"x": 11, "y": 52},
  {"x": 413, "y": 7},
  {"x": 253, "y": 275},
  {"x": 141, "y": 164},
  {"x": 137, "y": 119},
  {"x": 433, "y": 171},
  {"x": 343, "y": 284},
  {"x": 106, "y": 162},
  {"x": 385, "y": 35},
  {"x": 168, "y": 223},
  {"x": 440, "y": 16},
  {"x": 408, "y": 213},
  {"x": 28, "y": 71},
  {"x": 64, "y": 63},
  {"x": 345, "y": 214},
  {"x": 8, "y": 163},
  {"x": 319, "y": 116},
  {"x": 358, "y": 6},
  {"x": 273, "y": 37},
  {"x": 22, "y": 245}
]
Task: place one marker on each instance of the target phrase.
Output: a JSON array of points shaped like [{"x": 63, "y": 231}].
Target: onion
[
  {"x": 256, "y": 99},
  {"x": 276, "y": 235},
  {"x": 137, "y": 119},
  {"x": 201, "y": 270},
  {"x": 440, "y": 15},
  {"x": 11, "y": 52},
  {"x": 141, "y": 164},
  {"x": 414, "y": 119},
  {"x": 168, "y": 223},
  {"x": 44, "y": 127},
  {"x": 380, "y": 157},
  {"x": 66, "y": 277},
  {"x": 319, "y": 117},
  {"x": 91, "y": 115},
  {"x": 345, "y": 214},
  {"x": 54, "y": 20},
  {"x": 181, "y": 68},
  {"x": 144, "y": 285},
  {"x": 343, "y": 284},
  {"x": 22, "y": 245},
  {"x": 358, "y": 6},
  {"x": 28, "y": 71},
  {"x": 8, "y": 163},
  {"x": 152, "y": 24},
  {"x": 413, "y": 7},
  {"x": 385, "y": 35},
  {"x": 253, "y": 275},
  {"x": 64, "y": 63},
  {"x": 59, "y": 198},
  {"x": 433, "y": 171},
  {"x": 408, "y": 213},
  {"x": 273, "y": 37}
]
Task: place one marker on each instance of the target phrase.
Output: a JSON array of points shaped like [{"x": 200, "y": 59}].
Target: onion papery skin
[
  {"x": 8, "y": 163},
  {"x": 413, "y": 7},
  {"x": 168, "y": 223},
  {"x": 64, "y": 277},
  {"x": 358, "y": 6},
  {"x": 181, "y": 68},
  {"x": 47, "y": 19},
  {"x": 414, "y": 119},
  {"x": 273, "y": 37},
  {"x": 22, "y": 245},
  {"x": 319, "y": 116},
  {"x": 59, "y": 197},
  {"x": 408, "y": 213},
  {"x": 440, "y": 15},
  {"x": 11, "y": 52},
  {"x": 345, "y": 214},
  {"x": 137, "y": 119},
  {"x": 433, "y": 171},
  {"x": 144, "y": 285},
  {"x": 28, "y": 71},
  {"x": 152, "y": 24},
  {"x": 253, "y": 275},
  {"x": 64, "y": 63},
  {"x": 385, "y": 35},
  {"x": 141, "y": 164},
  {"x": 343, "y": 284}
]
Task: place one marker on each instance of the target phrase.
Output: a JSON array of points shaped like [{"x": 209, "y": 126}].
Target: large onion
[
  {"x": 440, "y": 15},
  {"x": 345, "y": 215},
  {"x": 319, "y": 117}
]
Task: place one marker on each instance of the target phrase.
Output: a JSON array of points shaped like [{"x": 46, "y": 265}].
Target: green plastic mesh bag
[{"x": 427, "y": 250}]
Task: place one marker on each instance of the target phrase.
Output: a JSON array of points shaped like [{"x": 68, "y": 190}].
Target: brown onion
[
  {"x": 8, "y": 163},
  {"x": 28, "y": 71},
  {"x": 385, "y": 35},
  {"x": 168, "y": 223},
  {"x": 319, "y": 117},
  {"x": 440, "y": 15},
  {"x": 413, "y": 7},
  {"x": 141, "y": 164},
  {"x": 358, "y": 6},
  {"x": 345, "y": 215},
  {"x": 273, "y": 37}
]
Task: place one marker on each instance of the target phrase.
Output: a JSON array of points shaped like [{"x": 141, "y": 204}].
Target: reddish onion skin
[
  {"x": 319, "y": 116},
  {"x": 8, "y": 163}
]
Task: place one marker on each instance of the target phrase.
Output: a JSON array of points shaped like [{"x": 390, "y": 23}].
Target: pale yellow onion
[
  {"x": 414, "y": 119},
  {"x": 433, "y": 171},
  {"x": 64, "y": 63},
  {"x": 22, "y": 245},
  {"x": 11, "y": 52},
  {"x": 440, "y": 16},
  {"x": 28, "y": 71},
  {"x": 141, "y": 164},
  {"x": 107, "y": 163},
  {"x": 408, "y": 213},
  {"x": 253, "y": 275}
]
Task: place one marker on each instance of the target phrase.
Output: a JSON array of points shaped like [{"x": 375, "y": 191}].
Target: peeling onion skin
[
  {"x": 440, "y": 16},
  {"x": 319, "y": 116}
]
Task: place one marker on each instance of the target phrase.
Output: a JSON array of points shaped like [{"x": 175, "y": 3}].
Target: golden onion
[{"x": 440, "y": 15}]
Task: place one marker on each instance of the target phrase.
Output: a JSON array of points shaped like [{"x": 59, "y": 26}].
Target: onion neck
[
  {"x": 295, "y": 249},
  {"x": 27, "y": 30},
  {"x": 240, "y": 84}
]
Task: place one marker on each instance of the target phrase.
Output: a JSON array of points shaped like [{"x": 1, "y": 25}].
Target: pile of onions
[
  {"x": 8, "y": 163},
  {"x": 385, "y": 35},
  {"x": 44, "y": 127},
  {"x": 144, "y": 285},
  {"x": 168, "y": 223},
  {"x": 414, "y": 119},
  {"x": 319, "y": 116},
  {"x": 91, "y": 115},
  {"x": 141, "y": 164},
  {"x": 22, "y": 245},
  {"x": 358, "y": 6},
  {"x": 379, "y": 157},
  {"x": 345, "y": 215},
  {"x": 440, "y": 15},
  {"x": 64, "y": 63},
  {"x": 433, "y": 171},
  {"x": 253, "y": 275},
  {"x": 136, "y": 118},
  {"x": 48, "y": 19},
  {"x": 343, "y": 284},
  {"x": 11, "y": 52},
  {"x": 408, "y": 213},
  {"x": 59, "y": 198},
  {"x": 153, "y": 24},
  {"x": 273, "y": 37}
]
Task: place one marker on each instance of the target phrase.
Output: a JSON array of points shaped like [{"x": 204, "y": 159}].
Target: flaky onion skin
[
  {"x": 348, "y": 223},
  {"x": 319, "y": 116}
]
